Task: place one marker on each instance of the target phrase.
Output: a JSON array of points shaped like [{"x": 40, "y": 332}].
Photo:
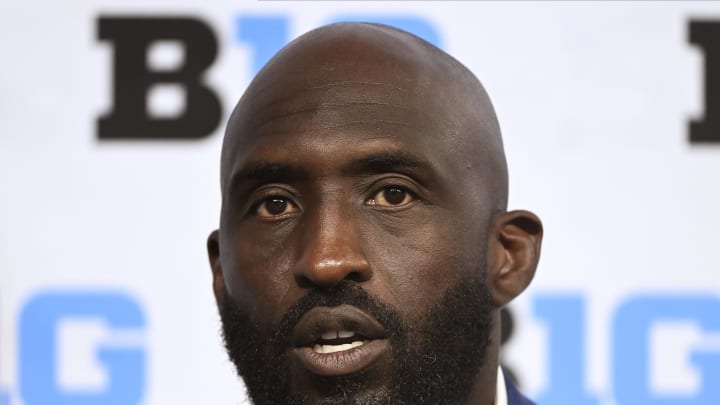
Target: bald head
[{"x": 357, "y": 76}]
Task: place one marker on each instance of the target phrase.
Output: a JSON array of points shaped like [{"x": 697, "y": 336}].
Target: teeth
[
  {"x": 325, "y": 349},
  {"x": 329, "y": 335},
  {"x": 342, "y": 334},
  {"x": 336, "y": 334}
]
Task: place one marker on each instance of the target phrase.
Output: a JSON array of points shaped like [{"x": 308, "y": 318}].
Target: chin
[{"x": 369, "y": 386}]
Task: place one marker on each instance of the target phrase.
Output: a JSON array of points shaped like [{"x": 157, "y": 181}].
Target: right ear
[{"x": 213, "y": 248}]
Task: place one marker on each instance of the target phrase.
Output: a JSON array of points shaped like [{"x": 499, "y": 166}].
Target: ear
[
  {"x": 213, "y": 248},
  {"x": 514, "y": 251}
]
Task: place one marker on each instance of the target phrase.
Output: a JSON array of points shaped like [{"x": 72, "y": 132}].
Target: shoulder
[{"x": 513, "y": 395}]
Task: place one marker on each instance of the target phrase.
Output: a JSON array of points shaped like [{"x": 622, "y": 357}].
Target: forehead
[
  {"x": 327, "y": 127},
  {"x": 352, "y": 100}
]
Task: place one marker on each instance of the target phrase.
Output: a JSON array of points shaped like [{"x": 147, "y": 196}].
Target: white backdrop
[{"x": 105, "y": 291}]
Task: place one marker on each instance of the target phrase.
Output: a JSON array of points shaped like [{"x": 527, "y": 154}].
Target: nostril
[
  {"x": 357, "y": 276},
  {"x": 304, "y": 282}
]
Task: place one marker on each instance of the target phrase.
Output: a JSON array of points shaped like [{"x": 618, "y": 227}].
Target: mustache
[
  {"x": 432, "y": 356},
  {"x": 346, "y": 292}
]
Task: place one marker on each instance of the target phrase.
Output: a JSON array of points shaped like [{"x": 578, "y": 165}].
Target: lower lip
[{"x": 344, "y": 362}]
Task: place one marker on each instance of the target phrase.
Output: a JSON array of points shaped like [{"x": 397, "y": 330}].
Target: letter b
[
  {"x": 132, "y": 37},
  {"x": 706, "y": 35}
]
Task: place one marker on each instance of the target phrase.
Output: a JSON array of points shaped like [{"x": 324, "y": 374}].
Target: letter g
[
  {"x": 39, "y": 323},
  {"x": 632, "y": 327}
]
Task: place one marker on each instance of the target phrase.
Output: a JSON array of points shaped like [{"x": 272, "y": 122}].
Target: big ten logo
[
  {"x": 642, "y": 339},
  {"x": 664, "y": 350},
  {"x": 80, "y": 348},
  {"x": 706, "y": 36},
  {"x": 159, "y": 63}
]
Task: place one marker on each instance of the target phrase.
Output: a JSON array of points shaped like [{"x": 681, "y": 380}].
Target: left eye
[
  {"x": 392, "y": 196},
  {"x": 275, "y": 206}
]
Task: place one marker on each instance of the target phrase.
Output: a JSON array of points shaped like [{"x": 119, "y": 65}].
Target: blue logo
[
  {"x": 564, "y": 316},
  {"x": 40, "y": 320}
]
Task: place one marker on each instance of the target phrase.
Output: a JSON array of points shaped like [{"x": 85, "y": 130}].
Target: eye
[
  {"x": 275, "y": 206},
  {"x": 392, "y": 196}
]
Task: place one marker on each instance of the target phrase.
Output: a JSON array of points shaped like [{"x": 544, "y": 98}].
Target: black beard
[{"x": 436, "y": 365}]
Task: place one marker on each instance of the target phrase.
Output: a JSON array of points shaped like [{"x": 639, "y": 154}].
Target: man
[{"x": 364, "y": 249}]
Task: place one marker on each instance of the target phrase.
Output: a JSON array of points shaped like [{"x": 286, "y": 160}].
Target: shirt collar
[{"x": 500, "y": 389}]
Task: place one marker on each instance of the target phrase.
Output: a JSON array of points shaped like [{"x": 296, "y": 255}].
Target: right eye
[{"x": 275, "y": 206}]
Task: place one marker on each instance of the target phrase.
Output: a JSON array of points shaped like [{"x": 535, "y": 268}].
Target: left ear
[{"x": 513, "y": 254}]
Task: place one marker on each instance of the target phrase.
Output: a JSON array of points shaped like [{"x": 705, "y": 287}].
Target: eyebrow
[
  {"x": 280, "y": 172},
  {"x": 385, "y": 162},
  {"x": 266, "y": 172}
]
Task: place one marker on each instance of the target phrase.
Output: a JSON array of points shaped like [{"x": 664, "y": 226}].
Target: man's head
[{"x": 364, "y": 248}]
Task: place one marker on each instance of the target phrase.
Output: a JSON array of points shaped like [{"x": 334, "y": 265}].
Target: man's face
[{"x": 353, "y": 246}]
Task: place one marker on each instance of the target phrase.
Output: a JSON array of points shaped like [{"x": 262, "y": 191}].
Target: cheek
[
  {"x": 258, "y": 273},
  {"x": 418, "y": 261}
]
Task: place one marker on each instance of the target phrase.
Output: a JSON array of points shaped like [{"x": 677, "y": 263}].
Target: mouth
[{"x": 338, "y": 341}]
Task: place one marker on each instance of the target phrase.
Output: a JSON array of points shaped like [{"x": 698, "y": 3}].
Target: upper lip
[{"x": 320, "y": 320}]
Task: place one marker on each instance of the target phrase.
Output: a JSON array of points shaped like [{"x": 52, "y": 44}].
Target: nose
[{"x": 331, "y": 252}]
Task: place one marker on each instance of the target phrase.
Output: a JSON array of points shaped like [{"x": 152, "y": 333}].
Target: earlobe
[
  {"x": 513, "y": 254},
  {"x": 213, "y": 248}
]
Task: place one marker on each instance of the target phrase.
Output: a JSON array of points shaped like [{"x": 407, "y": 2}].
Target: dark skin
[{"x": 362, "y": 154}]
